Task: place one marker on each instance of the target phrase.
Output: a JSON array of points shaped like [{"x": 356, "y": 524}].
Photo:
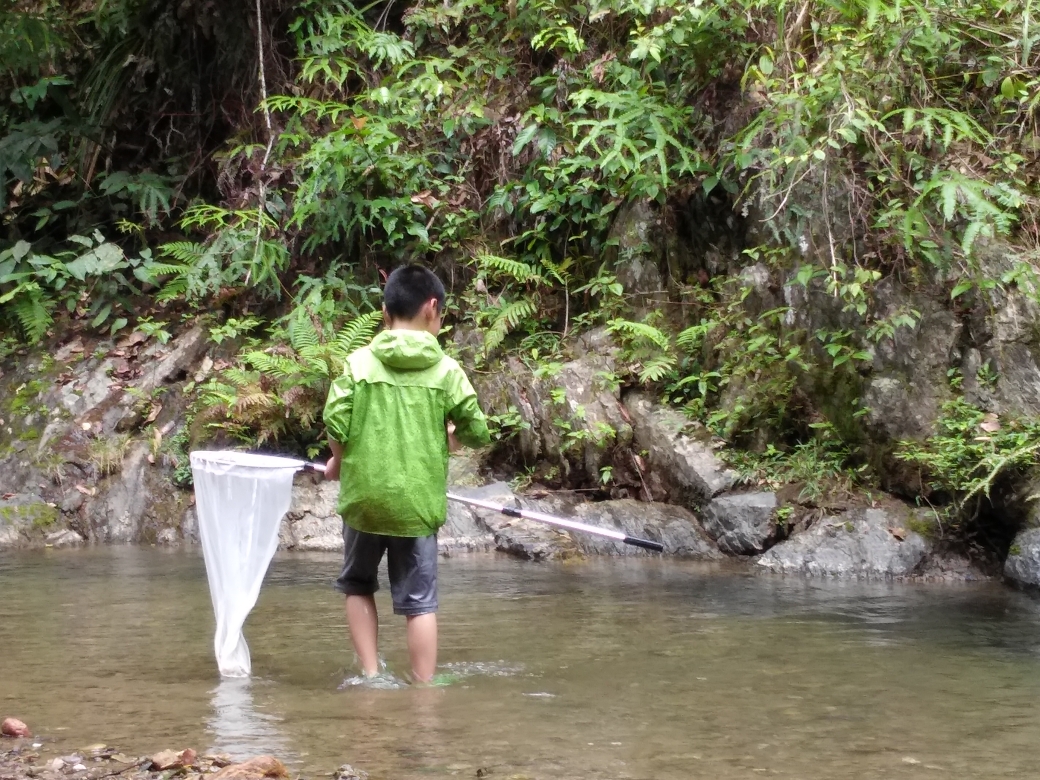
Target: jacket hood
[{"x": 407, "y": 349}]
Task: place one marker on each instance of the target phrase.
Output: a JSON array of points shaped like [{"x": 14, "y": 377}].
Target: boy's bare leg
[
  {"x": 422, "y": 645},
  {"x": 363, "y": 622}
]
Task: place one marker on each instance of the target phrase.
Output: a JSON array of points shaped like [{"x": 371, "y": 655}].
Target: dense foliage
[{"x": 151, "y": 170}]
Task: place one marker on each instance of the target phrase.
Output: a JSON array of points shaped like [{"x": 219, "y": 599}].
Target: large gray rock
[
  {"x": 512, "y": 535},
  {"x": 312, "y": 522},
  {"x": 572, "y": 416},
  {"x": 862, "y": 543},
  {"x": 682, "y": 469},
  {"x": 25, "y": 520},
  {"x": 742, "y": 524},
  {"x": 676, "y": 528},
  {"x": 1023, "y": 563},
  {"x": 637, "y": 261}
]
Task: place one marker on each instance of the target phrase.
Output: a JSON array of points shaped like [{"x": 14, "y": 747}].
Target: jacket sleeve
[
  {"x": 470, "y": 424},
  {"x": 339, "y": 407}
]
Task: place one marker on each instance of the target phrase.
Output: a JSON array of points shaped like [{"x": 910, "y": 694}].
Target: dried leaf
[
  {"x": 156, "y": 408},
  {"x": 898, "y": 533},
  {"x": 91, "y": 491},
  {"x": 990, "y": 423}
]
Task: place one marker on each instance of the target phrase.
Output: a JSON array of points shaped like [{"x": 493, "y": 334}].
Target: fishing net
[{"x": 240, "y": 499}]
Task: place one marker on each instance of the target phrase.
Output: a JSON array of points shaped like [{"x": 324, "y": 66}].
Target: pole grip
[{"x": 644, "y": 543}]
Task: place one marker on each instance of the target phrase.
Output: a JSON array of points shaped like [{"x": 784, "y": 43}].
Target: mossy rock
[{"x": 33, "y": 514}]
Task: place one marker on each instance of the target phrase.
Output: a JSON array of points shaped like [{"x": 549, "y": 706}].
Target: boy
[{"x": 392, "y": 416}]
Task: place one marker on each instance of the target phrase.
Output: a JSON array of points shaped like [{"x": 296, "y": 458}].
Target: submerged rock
[
  {"x": 1023, "y": 562},
  {"x": 859, "y": 543},
  {"x": 742, "y": 524}
]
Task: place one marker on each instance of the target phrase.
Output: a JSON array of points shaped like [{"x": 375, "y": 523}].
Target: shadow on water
[{"x": 628, "y": 669}]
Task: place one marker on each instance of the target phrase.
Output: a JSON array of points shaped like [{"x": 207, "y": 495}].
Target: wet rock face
[
  {"x": 868, "y": 543},
  {"x": 76, "y": 407},
  {"x": 742, "y": 524},
  {"x": 1022, "y": 566},
  {"x": 682, "y": 469}
]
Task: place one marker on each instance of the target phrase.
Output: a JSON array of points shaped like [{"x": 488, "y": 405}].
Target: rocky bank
[{"x": 92, "y": 446}]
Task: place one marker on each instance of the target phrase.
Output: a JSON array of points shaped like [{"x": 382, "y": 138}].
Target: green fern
[
  {"x": 515, "y": 270},
  {"x": 32, "y": 309},
  {"x": 639, "y": 332},
  {"x": 508, "y": 319},
  {"x": 656, "y": 369},
  {"x": 358, "y": 332}
]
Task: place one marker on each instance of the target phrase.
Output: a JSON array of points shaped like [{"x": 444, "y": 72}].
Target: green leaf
[
  {"x": 524, "y": 138},
  {"x": 102, "y": 315},
  {"x": 765, "y": 64},
  {"x": 1007, "y": 88},
  {"x": 961, "y": 288}
]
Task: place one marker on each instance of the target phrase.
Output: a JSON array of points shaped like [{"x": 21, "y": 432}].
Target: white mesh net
[{"x": 240, "y": 499}]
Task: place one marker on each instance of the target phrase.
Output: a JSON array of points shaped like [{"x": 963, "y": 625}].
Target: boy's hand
[
  {"x": 454, "y": 445},
  {"x": 332, "y": 468}
]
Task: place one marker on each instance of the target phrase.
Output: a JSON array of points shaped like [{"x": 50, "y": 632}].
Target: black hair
[{"x": 408, "y": 288}]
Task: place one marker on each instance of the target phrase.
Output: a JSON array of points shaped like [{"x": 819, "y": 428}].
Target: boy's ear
[{"x": 387, "y": 321}]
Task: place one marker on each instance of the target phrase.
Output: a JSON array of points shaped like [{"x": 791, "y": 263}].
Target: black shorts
[{"x": 411, "y": 563}]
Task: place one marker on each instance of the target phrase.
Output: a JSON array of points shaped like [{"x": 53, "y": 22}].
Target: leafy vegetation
[
  {"x": 972, "y": 452},
  {"x": 160, "y": 163}
]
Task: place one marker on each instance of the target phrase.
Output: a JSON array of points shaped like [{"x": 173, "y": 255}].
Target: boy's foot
[
  {"x": 384, "y": 681},
  {"x": 441, "y": 680}
]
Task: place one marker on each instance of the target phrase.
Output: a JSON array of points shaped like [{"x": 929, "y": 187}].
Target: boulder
[
  {"x": 312, "y": 522},
  {"x": 636, "y": 260},
  {"x": 862, "y": 543},
  {"x": 742, "y": 524},
  {"x": 25, "y": 520},
  {"x": 676, "y": 528},
  {"x": 525, "y": 539},
  {"x": 683, "y": 469},
  {"x": 65, "y": 538},
  {"x": 572, "y": 415},
  {"x": 1022, "y": 566}
]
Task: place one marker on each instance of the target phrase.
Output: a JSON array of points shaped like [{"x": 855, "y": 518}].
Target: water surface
[{"x": 606, "y": 669}]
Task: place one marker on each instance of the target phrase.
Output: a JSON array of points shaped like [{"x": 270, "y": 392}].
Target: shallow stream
[{"x": 604, "y": 669}]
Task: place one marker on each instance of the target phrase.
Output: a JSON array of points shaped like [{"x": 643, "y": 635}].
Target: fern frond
[
  {"x": 356, "y": 334},
  {"x": 639, "y": 331},
  {"x": 302, "y": 333},
  {"x": 273, "y": 365},
  {"x": 516, "y": 270},
  {"x": 32, "y": 309},
  {"x": 508, "y": 319},
  {"x": 657, "y": 369},
  {"x": 187, "y": 252}
]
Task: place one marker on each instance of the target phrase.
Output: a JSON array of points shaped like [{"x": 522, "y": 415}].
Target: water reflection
[{"x": 238, "y": 729}]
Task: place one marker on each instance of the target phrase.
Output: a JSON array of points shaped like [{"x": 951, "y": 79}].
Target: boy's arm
[
  {"x": 338, "y": 410},
  {"x": 470, "y": 424}
]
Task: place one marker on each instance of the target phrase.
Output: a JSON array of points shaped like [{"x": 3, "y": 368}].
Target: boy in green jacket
[{"x": 392, "y": 417}]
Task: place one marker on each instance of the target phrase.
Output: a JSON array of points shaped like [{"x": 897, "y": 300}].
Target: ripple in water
[{"x": 484, "y": 669}]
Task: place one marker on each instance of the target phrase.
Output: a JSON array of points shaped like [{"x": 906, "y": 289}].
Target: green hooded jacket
[{"x": 389, "y": 410}]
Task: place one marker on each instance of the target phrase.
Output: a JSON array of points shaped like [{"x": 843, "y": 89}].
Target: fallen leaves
[{"x": 898, "y": 533}]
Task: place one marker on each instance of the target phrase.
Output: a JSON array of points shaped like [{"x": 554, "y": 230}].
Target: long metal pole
[{"x": 572, "y": 525}]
